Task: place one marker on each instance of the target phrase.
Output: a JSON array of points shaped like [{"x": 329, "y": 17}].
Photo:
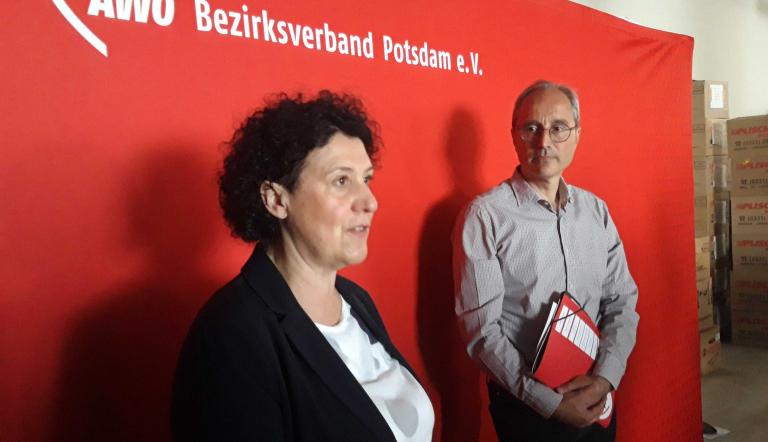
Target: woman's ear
[{"x": 275, "y": 199}]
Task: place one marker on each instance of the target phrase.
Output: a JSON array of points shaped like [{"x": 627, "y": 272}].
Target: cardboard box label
[
  {"x": 749, "y": 214},
  {"x": 750, "y": 253},
  {"x": 747, "y": 319},
  {"x": 751, "y": 282},
  {"x": 755, "y": 302},
  {"x": 716, "y": 93},
  {"x": 749, "y": 292},
  {"x": 748, "y": 135},
  {"x": 749, "y": 336},
  {"x": 749, "y": 326},
  {"x": 749, "y": 175}
]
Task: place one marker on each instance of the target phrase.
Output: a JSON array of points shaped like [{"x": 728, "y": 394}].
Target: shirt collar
[{"x": 525, "y": 193}]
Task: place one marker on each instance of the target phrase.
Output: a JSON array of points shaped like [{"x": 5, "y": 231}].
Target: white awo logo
[
  {"x": 608, "y": 407},
  {"x": 162, "y": 12}
]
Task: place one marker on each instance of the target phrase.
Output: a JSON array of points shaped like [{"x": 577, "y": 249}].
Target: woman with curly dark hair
[{"x": 289, "y": 350}]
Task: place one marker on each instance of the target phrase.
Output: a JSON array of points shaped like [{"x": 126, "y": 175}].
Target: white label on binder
[
  {"x": 563, "y": 313},
  {"x": 586, "y": 339},
  {"x": 579, "y": 333},
  {"x": 567, "y": 326},
  {"x": 574, "y": 329}
]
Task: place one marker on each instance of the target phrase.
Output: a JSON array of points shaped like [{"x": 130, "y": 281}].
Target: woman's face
[{"x": 329, "y": 212}]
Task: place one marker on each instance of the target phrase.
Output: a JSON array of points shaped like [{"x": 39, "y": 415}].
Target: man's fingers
[
  {"x": 575, "y": 384},
  {"x": 591, "y": 417},
  {"x": 594, "y": 412},
  {"x": 598, "y": 406}
]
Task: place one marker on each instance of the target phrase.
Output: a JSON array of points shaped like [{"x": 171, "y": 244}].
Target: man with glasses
[{"x": 517, "y": 248}]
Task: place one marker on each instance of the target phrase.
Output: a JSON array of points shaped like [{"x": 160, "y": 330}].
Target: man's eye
[
  {"x": 559, "y": 128},
  {"x": 532, "y": 128}
]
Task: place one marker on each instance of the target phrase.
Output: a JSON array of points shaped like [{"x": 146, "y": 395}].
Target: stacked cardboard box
[
  {"x": 703, "y": 196},
  {"x": 709, "y": 350},
  {"x": 711, "y": 182},
  {"x": 703, "y": 283},
  {"x": 748, "y": 142}
]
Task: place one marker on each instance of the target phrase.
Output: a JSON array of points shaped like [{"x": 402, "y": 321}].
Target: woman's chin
[{"x": 354, "y": 257}]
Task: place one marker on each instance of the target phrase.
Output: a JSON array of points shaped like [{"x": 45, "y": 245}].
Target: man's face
[{"x": 542, "y": 114}]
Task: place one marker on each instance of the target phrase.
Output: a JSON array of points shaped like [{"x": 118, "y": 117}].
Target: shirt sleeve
[
  {"x": 618, "y": 318},
  {"x": 479, "y": 289}
]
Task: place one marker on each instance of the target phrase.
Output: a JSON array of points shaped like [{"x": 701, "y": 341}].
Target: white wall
[{"x": 730, "y": 41}]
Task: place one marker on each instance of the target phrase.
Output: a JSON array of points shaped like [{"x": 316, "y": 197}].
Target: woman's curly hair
[{"x": 271, "y": 145}]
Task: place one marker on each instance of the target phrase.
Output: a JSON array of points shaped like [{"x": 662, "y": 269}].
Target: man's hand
[
  {"x": 596, "y": 384},
  {"x": 583, "y": 400}
]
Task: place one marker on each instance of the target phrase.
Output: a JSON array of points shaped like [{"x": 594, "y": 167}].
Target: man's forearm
[
  {"x": 618, "y": 317},
  {"x": 505, "y": 365}
]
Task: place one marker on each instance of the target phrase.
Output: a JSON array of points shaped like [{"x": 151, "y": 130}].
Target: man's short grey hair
[{"x": 544, "y": 84}]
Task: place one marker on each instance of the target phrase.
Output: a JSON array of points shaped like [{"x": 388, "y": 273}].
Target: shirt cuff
[
  {"x": 609, "y": 367},
  {"x": 541, "y": 398}
]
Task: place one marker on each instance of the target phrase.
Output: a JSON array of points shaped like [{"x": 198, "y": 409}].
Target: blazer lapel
[
  {"x": 375, "y": 326},
  {"x": 320, "y": 355},
  {"x": 310, "y": 343}
]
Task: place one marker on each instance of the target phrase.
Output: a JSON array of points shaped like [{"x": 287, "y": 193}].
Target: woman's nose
[{"x": 366, "y": 201}]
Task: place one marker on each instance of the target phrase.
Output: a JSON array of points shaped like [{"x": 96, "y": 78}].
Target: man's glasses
[{"x": 558, "y": 132}]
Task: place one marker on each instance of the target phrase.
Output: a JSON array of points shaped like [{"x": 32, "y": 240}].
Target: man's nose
[{"x": 543, "y": 138}]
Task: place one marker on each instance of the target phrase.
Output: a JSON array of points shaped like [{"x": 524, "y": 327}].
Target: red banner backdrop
[{"x": 112, "y": 120}]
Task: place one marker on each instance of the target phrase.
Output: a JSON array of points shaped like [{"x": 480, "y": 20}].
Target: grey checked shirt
[{"x": 513, "y": 256}]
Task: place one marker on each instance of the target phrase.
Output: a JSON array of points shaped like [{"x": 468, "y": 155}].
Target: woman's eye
[
  {"x": 342, "y": 181},
  {"x": 368, "y": 179}
]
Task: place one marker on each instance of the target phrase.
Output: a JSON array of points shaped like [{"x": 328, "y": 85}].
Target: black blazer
[{"x": 255, "y": 368}]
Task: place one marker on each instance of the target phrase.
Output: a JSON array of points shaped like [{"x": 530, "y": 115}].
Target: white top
[{"x": 395, "y": 392}]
